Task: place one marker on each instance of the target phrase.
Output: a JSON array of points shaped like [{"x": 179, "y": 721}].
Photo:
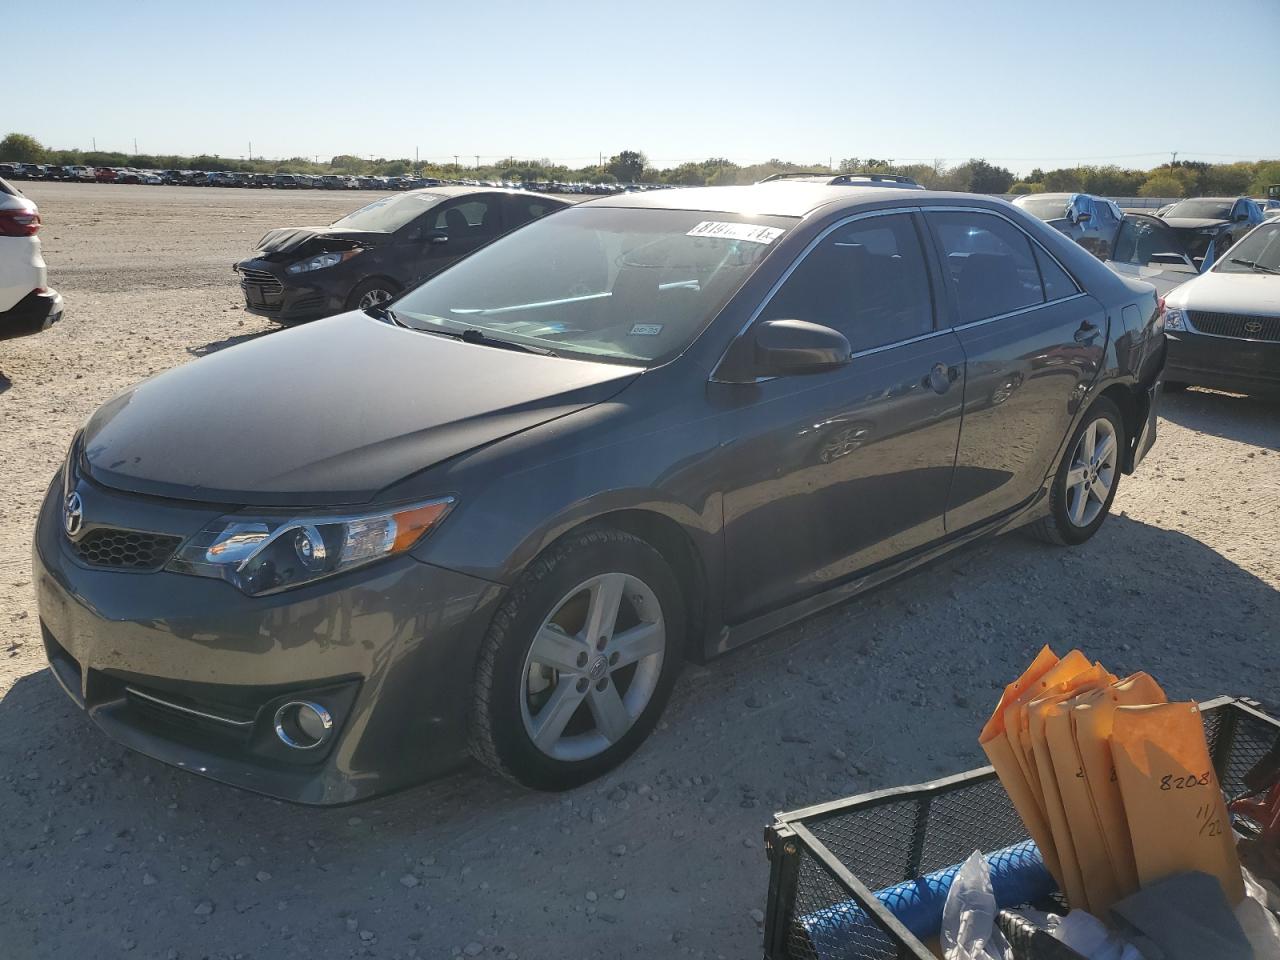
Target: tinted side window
[
  {"x": 474, "y": 217},
  {"x": 867, "y": 279},
  {"x": 524, "y": 209},
  {"x": 1057, "y": 282},
  {"x": 990, "y": 262}
]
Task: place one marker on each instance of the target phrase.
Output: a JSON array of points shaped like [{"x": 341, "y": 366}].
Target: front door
[
  {"x": 1033, "y": 343},
  {"x": 829, "y": 474}
]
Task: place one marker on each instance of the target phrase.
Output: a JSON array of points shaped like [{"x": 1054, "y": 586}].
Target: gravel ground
[{"x": 104, "y": 853}]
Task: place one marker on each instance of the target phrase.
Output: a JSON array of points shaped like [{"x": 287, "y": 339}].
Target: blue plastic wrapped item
[{"x": 1018, "y": 876}]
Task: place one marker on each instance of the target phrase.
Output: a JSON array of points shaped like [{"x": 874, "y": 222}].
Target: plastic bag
[{"x": 969, "y": 929}]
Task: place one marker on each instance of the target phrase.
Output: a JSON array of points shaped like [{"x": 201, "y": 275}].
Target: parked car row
[{"x": 295, "y": 181}]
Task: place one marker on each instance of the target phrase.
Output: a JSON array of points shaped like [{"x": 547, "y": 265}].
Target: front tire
[
  {"x": 1087, "y": 479},
  {"x": 578, "y": 662},
  {"x": 372, "y": 293}
]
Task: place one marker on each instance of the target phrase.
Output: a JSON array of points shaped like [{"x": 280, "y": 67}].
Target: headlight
[
  {"x": 1175, "y": 319},
  {"x": 321, "y": 261},
  {"x": 265, "y": 554}
]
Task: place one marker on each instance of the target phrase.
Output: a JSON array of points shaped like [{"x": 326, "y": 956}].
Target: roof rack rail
[
  {"x": 836, "y": 179},
  {"x": 796, "y": 173}
]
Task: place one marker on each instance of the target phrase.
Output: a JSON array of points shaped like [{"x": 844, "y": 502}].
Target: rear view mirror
[{"x": 787, "y": 347}]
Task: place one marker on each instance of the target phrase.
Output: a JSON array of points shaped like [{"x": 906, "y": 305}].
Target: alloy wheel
[
  {"x": 374, "y": 297},
  {"x": 1092, "y": 472},
  {"x": 593, "y": 667}
]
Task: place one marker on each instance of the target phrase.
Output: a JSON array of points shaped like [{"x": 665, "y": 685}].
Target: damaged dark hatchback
[{"x": 370, "y": 256}]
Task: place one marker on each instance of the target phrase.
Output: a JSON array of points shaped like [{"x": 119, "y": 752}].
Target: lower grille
[
  {"x": 125, "y": 549},
  {"x": 1239, "y": 325}
]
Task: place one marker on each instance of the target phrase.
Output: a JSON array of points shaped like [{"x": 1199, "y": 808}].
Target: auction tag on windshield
[
  {"x": 646, "y": 329},
  {"x": 750, "y": 232}
]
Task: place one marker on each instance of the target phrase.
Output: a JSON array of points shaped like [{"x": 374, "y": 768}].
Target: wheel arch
[
  {"x": 678, "y": 547},
  {"x": 1133, "y": 415},
  {"x": 393, "y": 284}
]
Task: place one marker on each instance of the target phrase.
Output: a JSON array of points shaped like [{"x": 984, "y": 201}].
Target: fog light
[{"x": 303, "y": 725}]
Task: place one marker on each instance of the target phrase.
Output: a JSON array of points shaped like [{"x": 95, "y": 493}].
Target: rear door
[
  {"x": 828, "y": 474},
  {"x": 1033, "y": 341},
  {"x": 1147, "y": 248}
]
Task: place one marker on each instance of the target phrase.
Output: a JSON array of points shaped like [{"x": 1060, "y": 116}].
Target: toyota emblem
[
  {"x": 73, "y": 514},
  {"x": 1253, "y": 326}
]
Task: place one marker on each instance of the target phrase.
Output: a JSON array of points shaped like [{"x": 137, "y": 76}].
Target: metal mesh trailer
[{"x": 828, "y": 861}]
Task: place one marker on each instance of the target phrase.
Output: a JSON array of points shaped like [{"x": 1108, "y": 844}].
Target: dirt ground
[{"x": 104, "y": 853}]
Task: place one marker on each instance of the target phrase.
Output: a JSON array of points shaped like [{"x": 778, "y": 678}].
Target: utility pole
[
  {"x": 1174, "y": 162},
  {"x": 250, "y": 151},
  {"x": 477, "y": 161},
  {"x": 135, "y": 146},
  {"x": 456, "y": 166},
  {"x": 95, "y": 144}
]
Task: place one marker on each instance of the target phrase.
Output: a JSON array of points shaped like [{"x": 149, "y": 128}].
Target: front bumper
[
  {"x": 34, "y": 313},
  {"x": 1223, "y": 363},
  {"x": 191, "y": 672},
  {"x": 271, "y": 292}
]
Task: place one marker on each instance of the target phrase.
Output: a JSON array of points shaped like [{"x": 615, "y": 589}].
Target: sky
[{"x": 1017, "y": 82}]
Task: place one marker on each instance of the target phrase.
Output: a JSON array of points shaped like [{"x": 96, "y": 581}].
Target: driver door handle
[{"x": 941, "y": 377}]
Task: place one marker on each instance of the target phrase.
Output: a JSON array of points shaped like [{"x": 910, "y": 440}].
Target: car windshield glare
[
  {"x": 1201, "y": 210},
  {"x": 388, "y": 214},
  {"x": 1261, "y": 247},
  {"x": 618, "y": 284}
]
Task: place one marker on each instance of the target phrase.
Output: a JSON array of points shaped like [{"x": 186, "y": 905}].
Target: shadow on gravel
[
  {"x": 1249, "y": 420},
  {"x": 5, "y": 383},
  {"x": 217, "y": 345}
]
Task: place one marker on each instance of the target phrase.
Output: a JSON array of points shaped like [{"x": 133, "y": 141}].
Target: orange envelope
[
  {"x": 1103, "y": 848},
  {"x": 1172, "y": 800},
  {"x": 1037, "y": 713},
  {"x": 1018, "y": 731},
  {"x": 999, "y": 750}
]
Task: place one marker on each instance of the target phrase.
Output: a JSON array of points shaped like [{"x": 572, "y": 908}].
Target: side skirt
[{"x": 733, "y": 636}]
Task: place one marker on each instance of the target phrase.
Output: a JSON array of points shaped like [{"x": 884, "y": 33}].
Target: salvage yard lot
[{"x": 105, "y": 853}]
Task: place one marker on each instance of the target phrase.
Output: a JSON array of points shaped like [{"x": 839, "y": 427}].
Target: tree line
[{"x": 1186, "y": 178}]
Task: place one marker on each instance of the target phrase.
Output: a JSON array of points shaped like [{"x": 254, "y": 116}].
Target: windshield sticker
[
  {"x": 646, "y": 329},
  {"x": 750, "y": 232}
]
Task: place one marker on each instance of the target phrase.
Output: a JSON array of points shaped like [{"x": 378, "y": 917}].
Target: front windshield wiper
[
  {"x": 1253, "y": 264},
  {"x": 472, "y": 335},
  {"x": 384, "y": 313}
]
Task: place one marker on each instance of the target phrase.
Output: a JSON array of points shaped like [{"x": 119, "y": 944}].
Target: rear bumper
[
  {"x": 1223, "y": 363},
  {"x": 37, "y": 311}
]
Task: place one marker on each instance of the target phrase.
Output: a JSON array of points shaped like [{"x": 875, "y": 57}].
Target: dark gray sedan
[{"x": 494, "y": 516}]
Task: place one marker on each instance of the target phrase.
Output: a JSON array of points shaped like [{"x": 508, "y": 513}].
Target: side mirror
[{"x": 787, "y": 347}]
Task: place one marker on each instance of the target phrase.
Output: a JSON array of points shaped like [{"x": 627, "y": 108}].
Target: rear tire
[
  {"x": 565, "y": 690},
  {"x": 1087, "y": 479}
]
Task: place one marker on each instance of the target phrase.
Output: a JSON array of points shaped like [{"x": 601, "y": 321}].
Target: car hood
[
  {"x": 1217, "y": 292},
  {"x": 305, "y": 241},
  {"x": 328, "y": 414},
  {"x": 1193, "y": 223}
]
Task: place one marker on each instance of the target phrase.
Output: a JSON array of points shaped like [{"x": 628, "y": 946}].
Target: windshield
[
  {"x": 1201, "y": 209},
  {"x": 1262, "y": 247},
  {"x": 1046, "y": 208},
  {"x": 388, "y": 214},
  {"x": 607, "y": 283}
]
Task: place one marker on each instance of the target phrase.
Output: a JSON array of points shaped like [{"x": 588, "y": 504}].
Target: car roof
[
  {"x": 779, "y": 198},
  {"x": 443, "y": 191}
]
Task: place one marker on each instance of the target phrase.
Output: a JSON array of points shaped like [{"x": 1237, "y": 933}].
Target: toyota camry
[{"x": 493, "y": 516}]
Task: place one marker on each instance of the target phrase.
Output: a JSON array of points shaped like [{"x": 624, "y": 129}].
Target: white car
[
  {"x": 26, "y": 304},
  {"x": 1223, "y": 327}
]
